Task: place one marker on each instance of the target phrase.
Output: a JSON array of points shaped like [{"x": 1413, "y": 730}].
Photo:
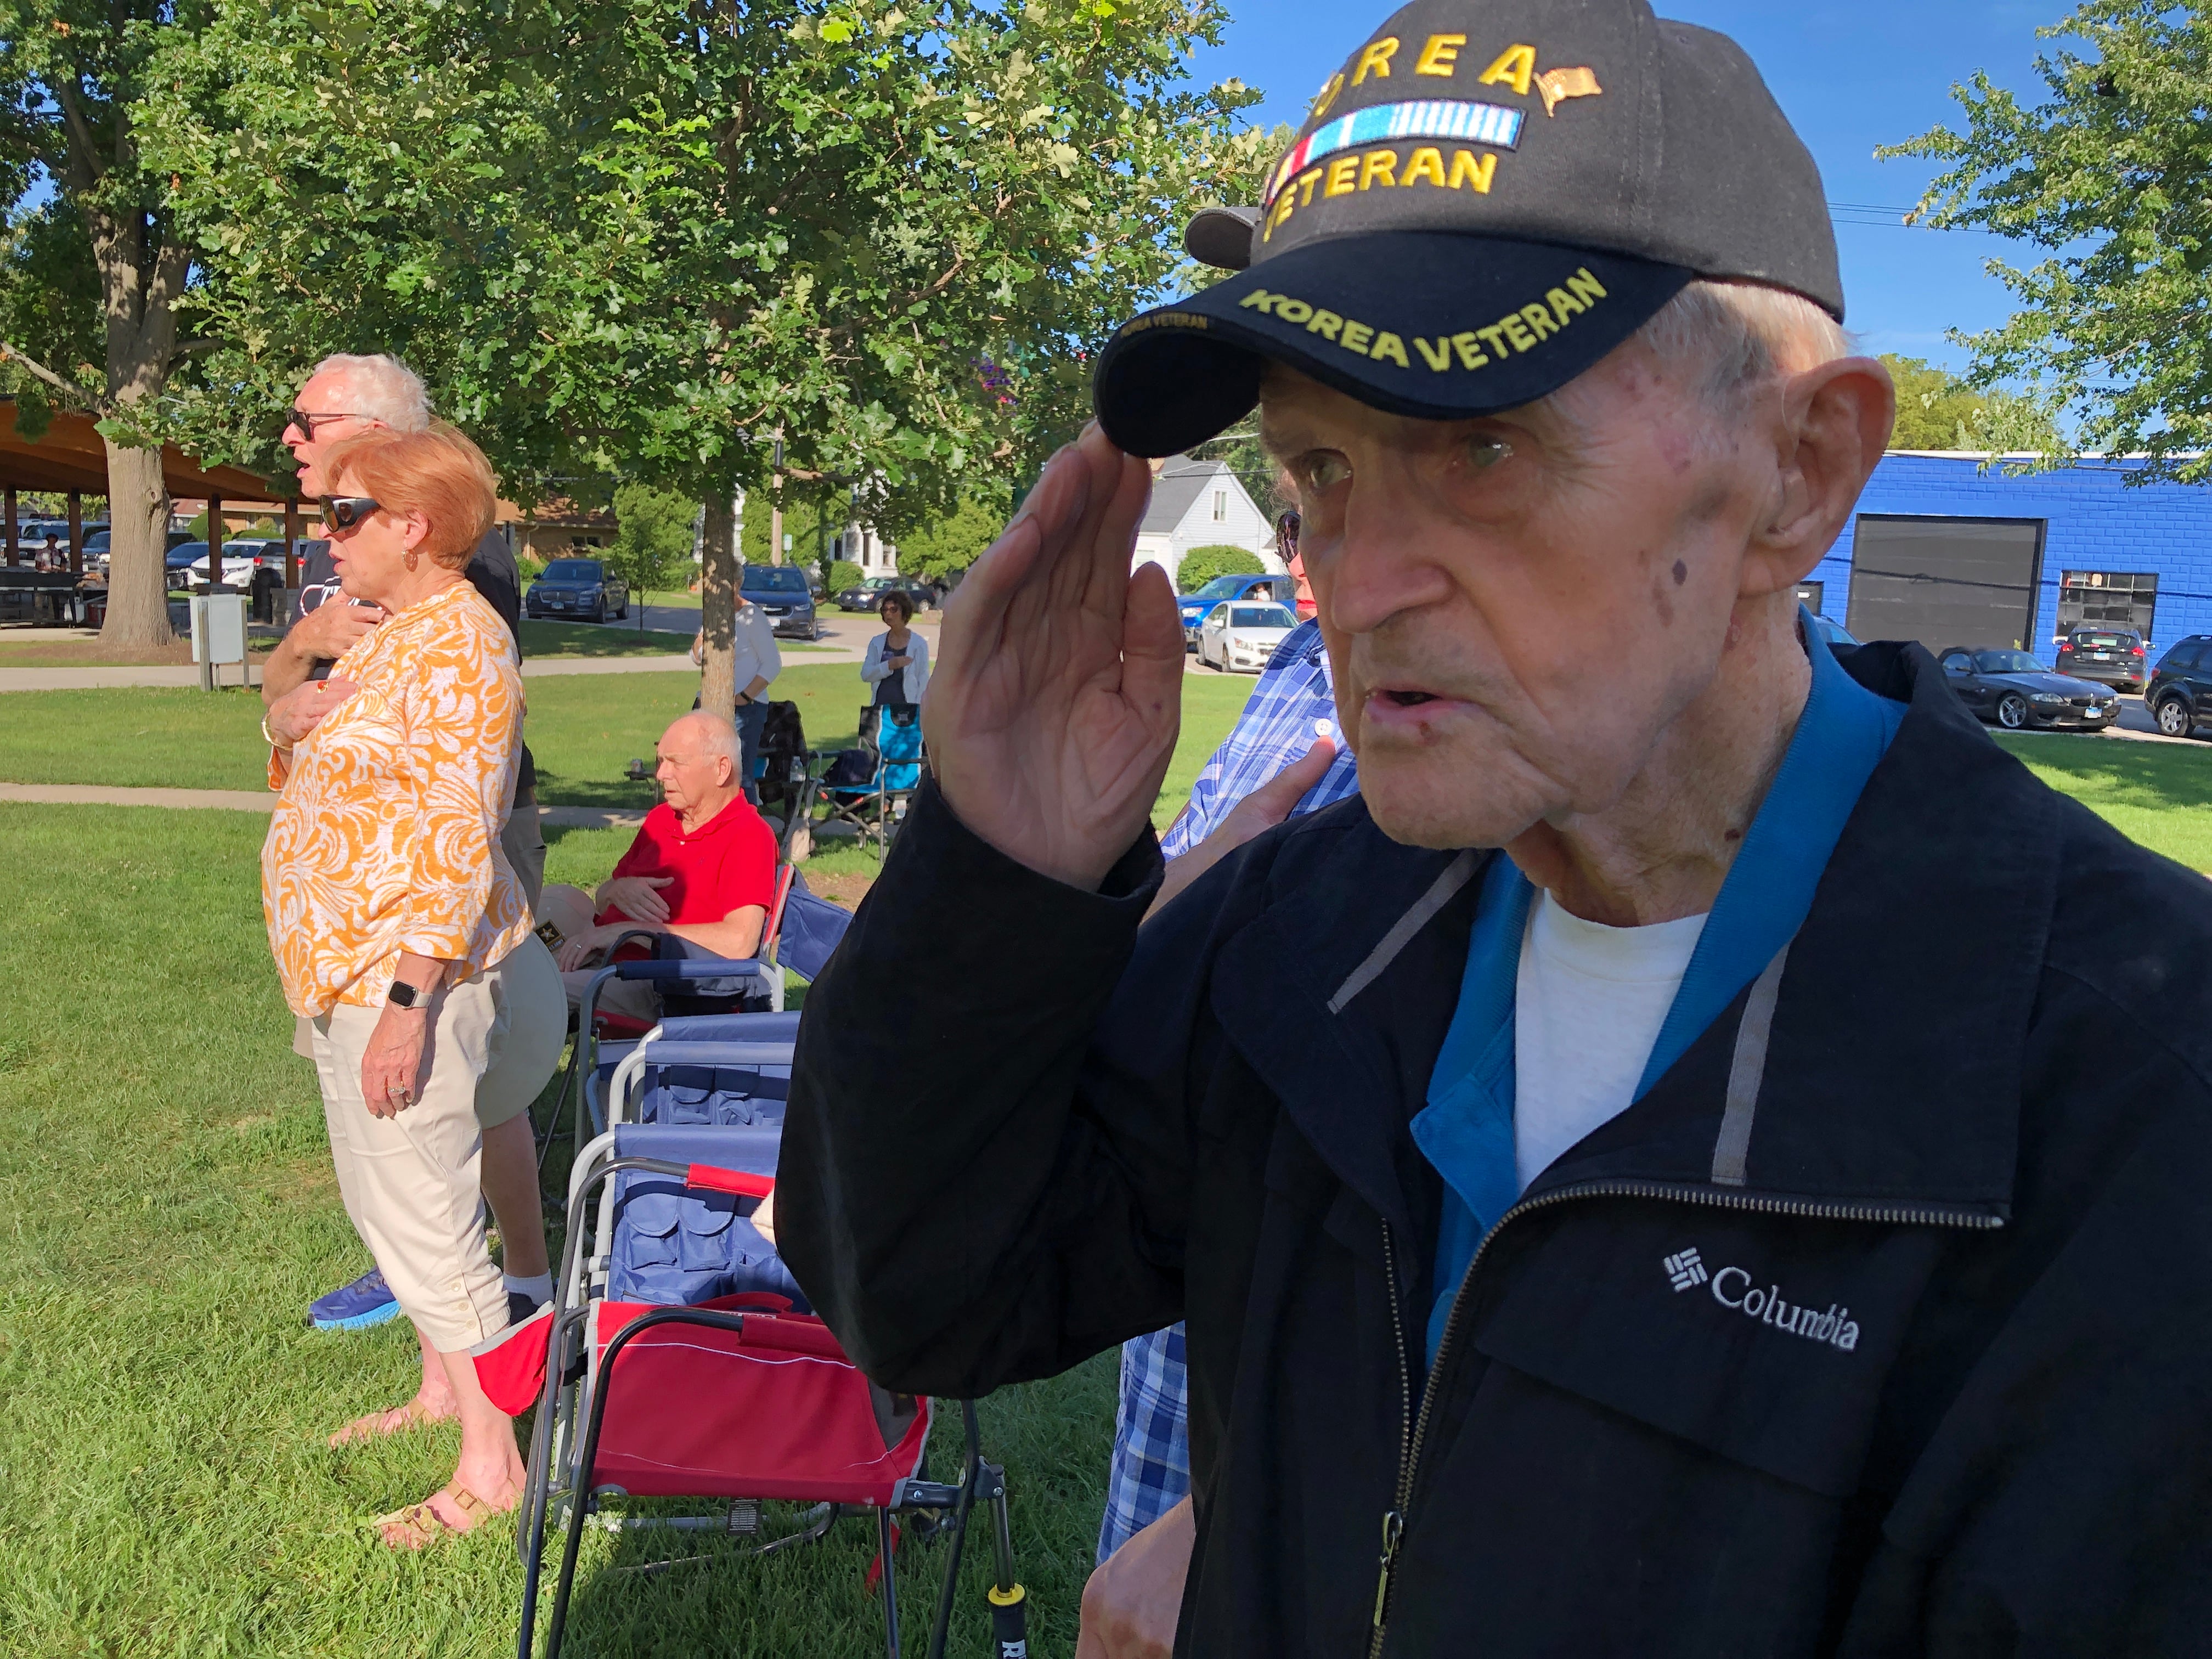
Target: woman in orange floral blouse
[{"x": 401, "y": 933}]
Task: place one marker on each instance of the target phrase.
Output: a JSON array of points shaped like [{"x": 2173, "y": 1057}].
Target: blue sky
[{"x": 1850, "y": 75}]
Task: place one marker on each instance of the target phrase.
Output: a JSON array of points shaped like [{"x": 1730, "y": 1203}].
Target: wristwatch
[{"x": 404, "y": 996}]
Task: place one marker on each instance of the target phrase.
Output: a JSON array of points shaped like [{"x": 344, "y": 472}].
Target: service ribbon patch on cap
[{"x": 1432, "y": 117}]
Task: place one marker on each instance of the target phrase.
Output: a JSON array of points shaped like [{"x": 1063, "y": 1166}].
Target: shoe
[
  {"x": 367, "y": 1301},
  {"x": 520, "y": 1305}
]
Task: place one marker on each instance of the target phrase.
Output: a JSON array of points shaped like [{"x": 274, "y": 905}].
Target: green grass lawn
[
  {"x": 622, "y": 639},
  {"x": 2153, "y": 792},
  {"x": 583, "y": 730},
  {"x": 170, "y": 1212}
]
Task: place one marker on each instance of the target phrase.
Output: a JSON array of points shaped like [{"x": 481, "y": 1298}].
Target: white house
[
  {"x": 862, "y": 544},
  {"x": 1201, "y": 504},
  {"x": 857, "y": 542}
]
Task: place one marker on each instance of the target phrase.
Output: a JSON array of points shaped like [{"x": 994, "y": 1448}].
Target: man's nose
[{"x": 1384, "y": 560}]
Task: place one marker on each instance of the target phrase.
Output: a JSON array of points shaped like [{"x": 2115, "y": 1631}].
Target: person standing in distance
[
  {"x": 757, "y": 662},
  {"x": 344, "y": 397}
]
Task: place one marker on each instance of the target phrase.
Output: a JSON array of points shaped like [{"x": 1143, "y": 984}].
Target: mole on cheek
[{"x": 1681, "y": 573}]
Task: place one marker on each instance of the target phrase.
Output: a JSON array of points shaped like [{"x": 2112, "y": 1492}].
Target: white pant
[{"x": 410, "y": 1182}]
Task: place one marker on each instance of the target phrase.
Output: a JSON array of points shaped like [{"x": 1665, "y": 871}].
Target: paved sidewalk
[{"x": 257, "y": 800}]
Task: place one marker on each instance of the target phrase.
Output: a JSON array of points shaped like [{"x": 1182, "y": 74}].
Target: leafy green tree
[
  {"x": 1202, "y": 564},
  {"x": 2106, "y": 174},
  {"x": 636, "y": 239},
  {"x": 93, "y": 262},
  {"x": 951, "y": 544},
  {"x": 651, "y": 547},
  {"x": 1938, "y": 411}
]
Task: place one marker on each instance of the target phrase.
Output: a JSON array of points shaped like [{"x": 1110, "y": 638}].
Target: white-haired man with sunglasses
[{"x": 346, "y": 396}]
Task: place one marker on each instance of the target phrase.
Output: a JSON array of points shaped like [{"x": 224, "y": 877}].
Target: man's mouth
[{"x": 1405, "y": 697}]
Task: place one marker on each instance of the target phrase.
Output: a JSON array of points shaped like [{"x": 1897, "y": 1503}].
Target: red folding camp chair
[{"x": 740, "y": 1397}]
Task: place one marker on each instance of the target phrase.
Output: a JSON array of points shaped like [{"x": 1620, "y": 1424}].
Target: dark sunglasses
[
  {"x": 306, "y": 423},
  {"x": 1286, "y": 529},
  {"x": 344, "y": 512}
]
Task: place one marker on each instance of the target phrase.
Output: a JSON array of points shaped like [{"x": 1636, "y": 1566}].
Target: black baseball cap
[{"x": 1489, "y": 197}]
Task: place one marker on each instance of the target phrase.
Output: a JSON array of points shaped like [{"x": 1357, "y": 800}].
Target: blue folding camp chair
[
  {"x": 802, "y": 931},
  {"x": 870, "y": 792}
]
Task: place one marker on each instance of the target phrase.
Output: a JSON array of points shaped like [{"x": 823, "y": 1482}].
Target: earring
[{"x": 413, "y": 558}]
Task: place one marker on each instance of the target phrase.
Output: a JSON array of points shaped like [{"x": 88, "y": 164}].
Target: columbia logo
[{"x": 1685, "y": 1272}]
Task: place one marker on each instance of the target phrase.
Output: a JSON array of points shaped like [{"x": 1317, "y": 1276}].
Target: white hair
[
  {"x": 383, "y": 388},
  {"x": 1746, "y": 332},
  {"x": 716, "y": 736}
]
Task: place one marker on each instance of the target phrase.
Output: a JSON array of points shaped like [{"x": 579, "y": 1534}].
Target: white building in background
[
  {"x": 1201, "y": 504},
  {"x": 864, "y": 547},
  {"x": 858, "y": 542}
]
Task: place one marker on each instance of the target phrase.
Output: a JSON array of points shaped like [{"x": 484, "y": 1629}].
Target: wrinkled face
[
  {"x": 689, "y": 773},
  {"x": 1517, "y": 606},
  {"x": 329, "y": 393}
]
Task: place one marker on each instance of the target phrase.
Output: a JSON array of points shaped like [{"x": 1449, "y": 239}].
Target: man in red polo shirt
[{"x": 702, "y": 868}]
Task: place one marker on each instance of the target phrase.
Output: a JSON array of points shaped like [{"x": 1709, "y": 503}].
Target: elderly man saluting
[
  {"x": 702, "y": 871},
  {"x": 1648, "y": 1176}
]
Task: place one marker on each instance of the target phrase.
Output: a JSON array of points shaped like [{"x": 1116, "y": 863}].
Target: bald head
[{"x": 700, "y": 768}]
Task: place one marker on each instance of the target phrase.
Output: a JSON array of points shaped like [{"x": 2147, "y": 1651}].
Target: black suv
[
  {"x": 2110, "y": 656},
  {"x": 2179, "y": 694},
  {"x": 577, "y": 587}
]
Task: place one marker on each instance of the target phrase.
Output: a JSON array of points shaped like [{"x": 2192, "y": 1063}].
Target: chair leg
[
  {"x": 891, "y": 1595},
  {"x": 967, "y": 1474}
]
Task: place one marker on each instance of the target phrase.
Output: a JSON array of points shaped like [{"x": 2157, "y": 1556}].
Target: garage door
[{"x": 1945, "y": 581}]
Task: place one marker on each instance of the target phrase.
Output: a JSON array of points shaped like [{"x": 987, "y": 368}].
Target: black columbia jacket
[{"x": 1883, "y": 1327}]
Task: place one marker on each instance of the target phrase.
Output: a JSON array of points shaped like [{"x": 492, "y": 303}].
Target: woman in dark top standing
[{"x": 898, "y": 663}]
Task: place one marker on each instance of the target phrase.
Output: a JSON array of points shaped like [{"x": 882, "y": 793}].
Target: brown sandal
[
  {"x": 418, "y": 1524},
  {"x": 412, "y": 1415}
]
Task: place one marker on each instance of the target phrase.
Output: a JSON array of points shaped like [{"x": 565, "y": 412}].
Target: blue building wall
[{"x": 2096, "y": 522}]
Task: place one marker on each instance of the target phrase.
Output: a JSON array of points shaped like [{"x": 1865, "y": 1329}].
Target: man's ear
[{"x": 1835, "y": 422}]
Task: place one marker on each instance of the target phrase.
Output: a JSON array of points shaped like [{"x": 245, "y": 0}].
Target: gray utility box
[{"x": 219, "y": 636}]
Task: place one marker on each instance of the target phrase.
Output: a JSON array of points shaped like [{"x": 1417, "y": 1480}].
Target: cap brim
[
  {"x": 1222, "y": 236},
  {"x": 1434, "y": 325}
]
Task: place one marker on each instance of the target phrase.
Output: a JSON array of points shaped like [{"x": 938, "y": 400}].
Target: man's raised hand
[{"x": 1054, "y": 714}]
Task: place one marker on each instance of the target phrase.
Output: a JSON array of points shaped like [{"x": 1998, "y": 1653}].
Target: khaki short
[
  {"x": 525, "y": 1050},
  {"x": 411, "y": 1182}
]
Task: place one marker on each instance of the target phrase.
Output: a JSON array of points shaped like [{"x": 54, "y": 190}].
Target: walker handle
[{"x": 738, "y": 1181}]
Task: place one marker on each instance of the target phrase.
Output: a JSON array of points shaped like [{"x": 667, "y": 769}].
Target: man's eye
[
  {"x": 1482, "y": 453},
  {"x": 1322, "y": 472}
]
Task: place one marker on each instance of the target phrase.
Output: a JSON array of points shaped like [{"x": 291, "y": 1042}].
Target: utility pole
[{"x": 775, "y": 505}]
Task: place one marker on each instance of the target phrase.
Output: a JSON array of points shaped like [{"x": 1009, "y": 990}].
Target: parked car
[
  {"x": 1197, "y": 607},
  {"x": 1834, "y": 633},
  {"x": 781, "y": 593},
  {"x": 1242, "y": 637},
  {"x": 577, "y": 587},
  {"x": 2019, "y": 694},
  {"x": 2179, "y": 694},
  {"x": 188, "y": 562},
  {"x": 2110, "y": 656},
  {"x": 869, "y": 595}
]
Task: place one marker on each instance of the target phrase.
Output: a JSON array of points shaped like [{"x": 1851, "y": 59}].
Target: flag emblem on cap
[{"x": 1559, "y": 84}]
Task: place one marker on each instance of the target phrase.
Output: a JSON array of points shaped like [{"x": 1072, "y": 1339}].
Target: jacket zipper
[{"x": 1416, "y": 1426}]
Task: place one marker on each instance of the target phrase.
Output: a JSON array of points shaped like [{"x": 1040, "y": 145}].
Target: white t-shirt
[{"x": 1588, "y": 1003}]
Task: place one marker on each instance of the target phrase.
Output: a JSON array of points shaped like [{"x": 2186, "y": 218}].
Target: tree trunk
[
  {"x": 137, "y": 574},
  {"x": 718, "y": 607}
]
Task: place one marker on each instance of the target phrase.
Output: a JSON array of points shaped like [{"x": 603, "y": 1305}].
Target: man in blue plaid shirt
[{"x": 1292, "y": 707}]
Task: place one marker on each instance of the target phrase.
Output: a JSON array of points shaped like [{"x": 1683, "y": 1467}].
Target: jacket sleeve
[
  {"x": 986, "y": 1160},
  {"x": 872, "y": 665}
]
